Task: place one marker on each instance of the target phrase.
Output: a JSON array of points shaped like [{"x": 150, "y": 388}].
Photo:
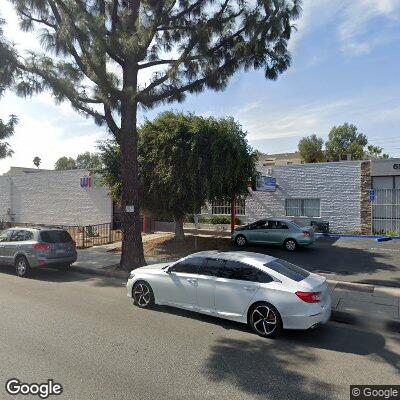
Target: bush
[{"x": 223, "y": 219}]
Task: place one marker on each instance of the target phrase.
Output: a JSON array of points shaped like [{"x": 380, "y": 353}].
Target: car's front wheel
[
  {"x": 240, "y": 241},
  {"x": 142, "y": 294},
  {"x": 290, "y": 245},
  {"x": 22, "y": 267},
  {"x": 265, "y": 320}
]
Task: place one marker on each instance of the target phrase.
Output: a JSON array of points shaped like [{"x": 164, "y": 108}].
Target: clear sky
[{"x": 346, "y": 67}]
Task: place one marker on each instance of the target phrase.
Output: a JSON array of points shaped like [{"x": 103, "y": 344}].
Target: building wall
[
  {"x": 56, "y": 197},
  {"x": 337, "y": 185},
  {"x": 5, "y": 203}
]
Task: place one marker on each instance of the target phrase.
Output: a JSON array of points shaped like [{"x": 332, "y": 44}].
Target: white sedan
[{"x": 268, "y": 293}]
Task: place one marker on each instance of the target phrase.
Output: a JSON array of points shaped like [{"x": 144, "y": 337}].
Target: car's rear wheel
[
  {"x": 265, "y": 320},
  {"x": 290, "y": 245},
  {"x": 240, "y": 241},
  {"x": 142, "y": 294},
  {"x": 22, "y": 267}
]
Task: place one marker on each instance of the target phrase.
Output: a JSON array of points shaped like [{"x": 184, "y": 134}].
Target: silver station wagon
[
  {"x": 275, "y": 231},
  {"x": 30, "y": 248}
]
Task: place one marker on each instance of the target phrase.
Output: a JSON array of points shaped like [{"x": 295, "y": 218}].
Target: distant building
[{"x": 280, "y": 159}]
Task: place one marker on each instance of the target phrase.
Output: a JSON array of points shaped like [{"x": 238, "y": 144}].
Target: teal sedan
[{"x": 275, "y": 231}]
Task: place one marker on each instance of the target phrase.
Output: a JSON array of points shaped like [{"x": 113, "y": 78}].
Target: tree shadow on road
[{"x": 277, "y": 369}]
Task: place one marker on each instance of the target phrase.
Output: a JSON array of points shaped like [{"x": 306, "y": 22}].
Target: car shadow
[{"x": 59, "y": 276}]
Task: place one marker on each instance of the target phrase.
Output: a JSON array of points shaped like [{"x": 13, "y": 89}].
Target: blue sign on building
[
  {"x": 266, "y": 184},
  {"x": 372, "y": 195}
]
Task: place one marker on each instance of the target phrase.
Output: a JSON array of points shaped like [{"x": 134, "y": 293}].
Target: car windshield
[
  {"x": 288, "y": 269},
  {"x": 55, "y": 236}
]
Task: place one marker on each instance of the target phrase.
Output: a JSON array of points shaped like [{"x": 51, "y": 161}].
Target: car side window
[
  {"x": 188, "y": 266},
  {"x": 21, "y": 236},
  {"x": 278, "y": 225},
  {"x": 259, "y": 225},
  {"x": 211, "y": 267},
  {"x": 263, "y": 277},
  {"x": 239, "y": 271},
  {"x": 5, "y": 236}
]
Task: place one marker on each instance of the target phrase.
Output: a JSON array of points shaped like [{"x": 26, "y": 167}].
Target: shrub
[{"x": 223, "y": 219}]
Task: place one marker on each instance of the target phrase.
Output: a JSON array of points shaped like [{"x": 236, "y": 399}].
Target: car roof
[
  {"x": 242, "y": 256},
  {"x": 36, "y": 228}
]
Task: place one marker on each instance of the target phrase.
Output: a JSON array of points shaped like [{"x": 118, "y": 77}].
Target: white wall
[
  {"x": 337, "y": 185},
  {"x": 5, "y": 202},
  {"x": 56, "y": 197}
]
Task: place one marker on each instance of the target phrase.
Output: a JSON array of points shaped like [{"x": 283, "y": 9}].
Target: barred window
[
  {"x": 303, "y": 207},
  {"x": 224, "y": 207}
]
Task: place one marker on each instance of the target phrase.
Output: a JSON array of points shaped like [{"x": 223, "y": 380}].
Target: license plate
[{"x": 60, "y": 251}]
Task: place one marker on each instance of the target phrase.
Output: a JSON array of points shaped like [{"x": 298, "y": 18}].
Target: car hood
[{"x": 152, "y": 266}]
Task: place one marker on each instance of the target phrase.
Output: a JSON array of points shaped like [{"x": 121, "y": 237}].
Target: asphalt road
[{"x": 85, "y": 334}]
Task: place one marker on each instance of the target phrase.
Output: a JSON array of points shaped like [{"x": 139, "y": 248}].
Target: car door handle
[
  {"x": 191, "y": 280},
  {"x": 249, "y": 288}
]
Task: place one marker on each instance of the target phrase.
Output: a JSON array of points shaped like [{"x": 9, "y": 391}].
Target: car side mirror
[{"x": 168, "y": 271}]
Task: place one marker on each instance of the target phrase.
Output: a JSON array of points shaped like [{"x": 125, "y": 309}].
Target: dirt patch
[{"x": 166, "y": 247}]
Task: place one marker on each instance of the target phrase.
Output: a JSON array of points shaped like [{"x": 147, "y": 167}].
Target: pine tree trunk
[
  {"x": 132, "y": 246},
  {"x": 179, "y": 232}
]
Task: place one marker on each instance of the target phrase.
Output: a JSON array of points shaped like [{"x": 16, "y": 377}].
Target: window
[
  {"x": 277, "y": 225},
  {"x": 211, "y": 268},
  {"x": 188, "y": 266},
  {"x": 303, "y": 207},
  {"x": 288, "y": 269},
  {"x": 224, "y": 207},
  {"x": 21, "y": 236},
  {"x": 263, "y": 224},
  {"x": 4, "y": 236},
  {"x": 239, "y": 271},
  {"x": 56, "y": 236}
]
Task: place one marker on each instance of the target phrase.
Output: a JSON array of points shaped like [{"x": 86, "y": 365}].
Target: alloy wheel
[
  {"x": 290, "y": 245},
  {"x": 142, "y": 295},
  {"x": 21, "y": 267},
  {"x": 240, "y": 240},
  {"x": 264, "y": 320}
]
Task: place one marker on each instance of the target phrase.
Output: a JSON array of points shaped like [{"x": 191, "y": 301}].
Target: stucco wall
[{"x": 56, "y": 197}]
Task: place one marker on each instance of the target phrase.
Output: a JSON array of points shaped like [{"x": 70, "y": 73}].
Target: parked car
[
  {"x": 30, "y": 248},
  {"x": 268, "y": 293},
  {"x": 276, "y": 231}
]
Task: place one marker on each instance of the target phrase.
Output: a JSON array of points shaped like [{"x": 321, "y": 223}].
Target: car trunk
[
  {"x": 59, "y": 242},
  {"x": 316, "y": 283}
]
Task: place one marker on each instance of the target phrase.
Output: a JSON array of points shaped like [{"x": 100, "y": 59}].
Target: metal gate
[{"x": 386, "y": 212}]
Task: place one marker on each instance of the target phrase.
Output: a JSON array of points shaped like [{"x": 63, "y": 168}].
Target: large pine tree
[{"x": 108, "y": 57}]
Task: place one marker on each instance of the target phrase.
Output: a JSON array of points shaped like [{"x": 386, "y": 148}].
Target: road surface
[{"x": 84, "y": 333}]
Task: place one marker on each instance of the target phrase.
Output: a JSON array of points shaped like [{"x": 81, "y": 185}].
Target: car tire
[
  {"x": 290, "y": 245},
  {"x": 265, "y": 320},
  {"x": 240, "y": 241},
  {"x": 22, "y": 267},
  {"x": 142, "y": 295}
]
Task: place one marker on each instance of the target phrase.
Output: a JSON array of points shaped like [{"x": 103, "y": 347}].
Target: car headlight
[{"x": 131, "y": 275}]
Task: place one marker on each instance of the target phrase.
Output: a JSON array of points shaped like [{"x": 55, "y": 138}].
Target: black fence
[{"x": 84, "y": 236}]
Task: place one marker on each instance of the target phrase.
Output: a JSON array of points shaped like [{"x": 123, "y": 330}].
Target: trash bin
[{"x": 320, "y": 226}]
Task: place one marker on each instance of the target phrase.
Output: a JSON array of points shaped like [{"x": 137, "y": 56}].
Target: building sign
[
  {"x": 266, "y": 184},
  {"x": 396, "y": 166},
  {"x": 372, "y": 195},
  {"x": 89, "y": 181}
]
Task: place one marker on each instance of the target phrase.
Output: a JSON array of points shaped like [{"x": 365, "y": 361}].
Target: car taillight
[
  {"x": 309, "y": 297},
  {"x": 306, "y": 233},
  {"x": 41, "y": 246}
]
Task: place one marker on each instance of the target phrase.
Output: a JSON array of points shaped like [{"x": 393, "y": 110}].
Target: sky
[{"x": 346, "y": 63}]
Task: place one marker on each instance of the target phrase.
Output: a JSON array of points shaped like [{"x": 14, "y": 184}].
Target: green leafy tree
[
  {"x": 184, "y": 161},
  {"x": 345, "y": 140},
  {"x": 65, "y": 163},
  {"x": 376, "y": 152},
  {"x": 36, "y": 161},
  {"x": 310, "y": 149},
  {"x": 89, "y": 161},
  {"x": 6, "y": 131},
  {"x": 95, "y": 52}
]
